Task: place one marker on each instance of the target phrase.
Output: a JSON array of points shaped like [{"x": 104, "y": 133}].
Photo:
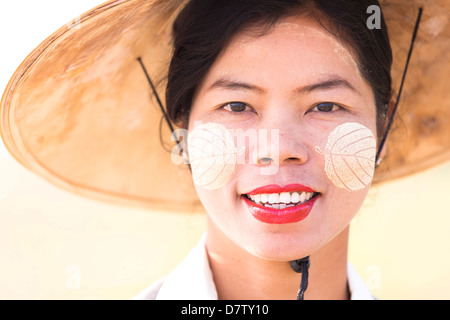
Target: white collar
[{"x": 192, "y": 280}]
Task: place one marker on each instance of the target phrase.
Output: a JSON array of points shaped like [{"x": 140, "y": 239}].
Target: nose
[{"x": 281, "y": 142}]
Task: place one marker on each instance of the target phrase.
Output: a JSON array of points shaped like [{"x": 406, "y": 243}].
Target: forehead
[{"x": 297, "y": 48}]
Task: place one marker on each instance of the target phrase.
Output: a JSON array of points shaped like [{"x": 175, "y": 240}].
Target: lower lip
[{"x": 280, "y": 216}]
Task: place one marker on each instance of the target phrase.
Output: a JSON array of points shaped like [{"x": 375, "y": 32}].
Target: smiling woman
[
  {"x": 278, "y": 207},
  {"x": 311, "y": 85}
]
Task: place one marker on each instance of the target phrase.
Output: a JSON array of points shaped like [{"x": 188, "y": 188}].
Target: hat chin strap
[
  {"x": 391, "y": 118},
  {"x": 301, "y": 266}
]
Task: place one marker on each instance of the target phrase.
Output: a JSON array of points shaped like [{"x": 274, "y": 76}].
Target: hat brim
[{"x": 80, "y": 113}]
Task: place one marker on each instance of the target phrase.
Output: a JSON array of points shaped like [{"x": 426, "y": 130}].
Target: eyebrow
[
  {"x": 228, "y": 84},
  {"x": 333, "y": 82}
]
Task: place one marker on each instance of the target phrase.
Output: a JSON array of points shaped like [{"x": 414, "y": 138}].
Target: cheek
[
  {"x": 350, "y": 156},
  {"x": 212, "y": 155}
]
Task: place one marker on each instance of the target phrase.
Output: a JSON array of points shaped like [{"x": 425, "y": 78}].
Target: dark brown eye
[
  {"x": 326, "y": 107},
  {"x": 235, "y": 106}
]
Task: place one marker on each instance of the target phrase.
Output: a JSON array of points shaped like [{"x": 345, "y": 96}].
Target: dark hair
[{"x": 204, "y": 28}]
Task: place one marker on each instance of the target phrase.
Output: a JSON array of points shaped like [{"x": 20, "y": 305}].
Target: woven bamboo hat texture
[{"x": 79, "y": 112}]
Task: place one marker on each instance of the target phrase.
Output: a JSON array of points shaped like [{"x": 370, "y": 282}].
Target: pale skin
[{"x": 282, "y": 77}]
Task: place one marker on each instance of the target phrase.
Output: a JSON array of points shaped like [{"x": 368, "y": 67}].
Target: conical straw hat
[{"x": 79, "y": 111}]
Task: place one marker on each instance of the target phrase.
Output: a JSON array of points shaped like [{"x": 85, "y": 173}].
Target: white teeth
[
  {"x": 281, "y": 200},
  {"x": 274, "y": 197},
  {"x": 264, "y": 198},
  {"x": 285, "y": 197},
  {"x": 302, "y": 196}
]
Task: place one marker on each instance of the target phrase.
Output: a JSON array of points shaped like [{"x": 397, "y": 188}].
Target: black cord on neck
[
  {"x": 302, "y": 266},
  {"x": 391, "y": 119}
]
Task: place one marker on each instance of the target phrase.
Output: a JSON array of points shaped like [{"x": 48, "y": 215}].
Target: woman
[{"x": 313, "y": 74}]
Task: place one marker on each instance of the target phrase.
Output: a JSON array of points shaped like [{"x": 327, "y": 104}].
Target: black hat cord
[
  {"x": 302, "y": 265},
  {"x": 391, "y": 118}
]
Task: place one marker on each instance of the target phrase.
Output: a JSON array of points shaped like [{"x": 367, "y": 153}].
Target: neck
[{"x": 239, "y": 275}]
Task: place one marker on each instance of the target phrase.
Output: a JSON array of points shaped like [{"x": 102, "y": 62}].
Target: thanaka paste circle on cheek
[
  {"x": 212, "y": 155},
  {"x": 350, "y": 156}
]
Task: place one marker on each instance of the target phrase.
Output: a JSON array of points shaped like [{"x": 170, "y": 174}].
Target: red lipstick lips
[{"x": 285, "y": 215}]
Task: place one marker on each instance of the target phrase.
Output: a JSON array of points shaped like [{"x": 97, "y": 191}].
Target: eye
[
  {"x": 235, "y": 107},
  {"x": 327, "y": 107}
]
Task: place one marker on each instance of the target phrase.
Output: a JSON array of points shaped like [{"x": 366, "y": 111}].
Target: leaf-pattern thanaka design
[
  {"x": 350, "y": 156},
  {"x": 212, "y": 155}
]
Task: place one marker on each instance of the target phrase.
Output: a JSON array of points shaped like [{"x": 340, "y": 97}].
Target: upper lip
[{"x": 274, "y": 188}]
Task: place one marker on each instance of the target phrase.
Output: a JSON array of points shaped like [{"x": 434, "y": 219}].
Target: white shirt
[{"x": 192, "y": 280}]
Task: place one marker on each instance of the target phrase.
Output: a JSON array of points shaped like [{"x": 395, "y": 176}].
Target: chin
[
  {"x": 281, "y": 246},
  {"x": 294, "y": 241}
]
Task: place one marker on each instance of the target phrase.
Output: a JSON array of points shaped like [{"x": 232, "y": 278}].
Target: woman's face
[{"x": 298, "y": 83}]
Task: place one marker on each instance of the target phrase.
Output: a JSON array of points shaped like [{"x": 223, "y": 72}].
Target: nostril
[{"x": 265, "y": 160}]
